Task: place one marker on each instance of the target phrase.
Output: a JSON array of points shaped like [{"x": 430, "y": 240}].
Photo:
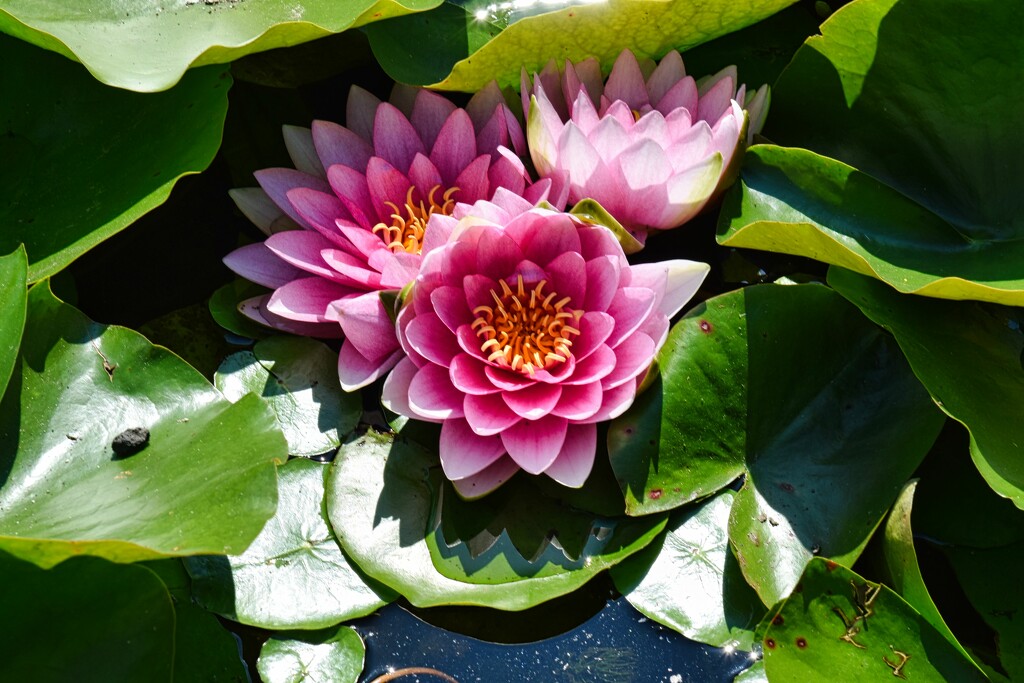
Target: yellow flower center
[
  {"x": 526, "y": 330},
  {"x": 410, "y": 222}
]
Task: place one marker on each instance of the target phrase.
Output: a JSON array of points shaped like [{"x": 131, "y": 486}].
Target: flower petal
[
  {"x": 576, "y": 459},
  {"x": 633, "y": 356},
  {"x": 455, "y": 147},
  {"x": 277, "y": 181},
  {"x": 395, "y": 394},
  {"x": 630, "y": 307},
  {"x": 299, "y": 143},
  {"x": 468, "y": 376},
  {"x": 256, "y": 309},
  {"x": 366, "y": 324},
  {"x": 356, "y": 371},
  {"x": 534, "y": 444},
  {"x": 338, "y": 145},
  {"x": 429, "y": 112},
  {"x": 484, "y": 482},
  {"x": 579, "y": 402},
  {"x": 259, "y": 208},
  {"x": 432, "y": 396},
  {"x": 359, "y": 112},
  {"x": 670, "y": 71},
  {"x": 488, "y": 414},
  {"x": 465, "y": 453},
  {"x": 626, "y": 82},
  {"x": 258, "y": 264},
  {"x": 431, "y": 339},
  {"x": 681, "y": 280},
  {"x": 533, "y": 402},
  {"x": 306, "y": 299},
  {"x": 395, "y": 139}
]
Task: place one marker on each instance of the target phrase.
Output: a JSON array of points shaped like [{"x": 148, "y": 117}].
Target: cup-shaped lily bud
[
  {"x": 352, "y": 219},
  {"x": 522, "y": 332},
  {"x": 651, "y": 145}
]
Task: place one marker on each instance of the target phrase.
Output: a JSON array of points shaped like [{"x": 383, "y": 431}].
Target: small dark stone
[{"x": 130, "y": 441}]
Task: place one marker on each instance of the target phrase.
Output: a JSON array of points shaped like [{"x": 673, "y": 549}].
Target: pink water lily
[
  {"x": 352, "y": 219},
  {"x": 651, "y": 144},
  {"x": 522, "y": 332}
]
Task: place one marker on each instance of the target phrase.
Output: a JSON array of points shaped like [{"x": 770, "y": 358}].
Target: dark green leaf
[
  {"x": 797, "y": 202},
  {"x": 110, "y": 155},
  {"x": 203, "y": 649},
  {"x": 968, "y": 355},
  {"x": 13, "y": 272},
  {"x": 224, "y": 309},
  {"x": 203, "y": 483},
  {"x": 148, "y": 44},
  {"x": 789, "y": 386},
  {"x": 334, "y": 655},
  {"x": 192, "y": 334},
  {"x": 688, "y": 578},
  {"x": 925, "y": 96},
  {"x": 379, "y": 502},
  {"x": 836, "y": 622},
  {"x": 294, "y": 574},
  {"x": 298, "y": 377},
  {"x": 85, "y": 619}
]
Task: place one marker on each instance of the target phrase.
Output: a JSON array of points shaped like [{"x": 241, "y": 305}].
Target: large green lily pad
[
  {"x": 968, "y": 356},
  {"x": 147, "y": 45},
  {"x": 925, "y": 96},
  {"x": 298, "y": 377},
  {"x": 109, "y": 155},
  {"x": 13, "y": 273},
  {"x": 797, "y": 202},
  {"x": 380, "y": 504},
  {"x": 85, "y": 619},
  {"x": 294, "y": 574},
  {"x": 455, "y": 51},
  {"x": 836, "y": 622},
  {"x": 204, "y": 483},
  {"x": 688, "y": 578},
  {"x": 790, "y": 387}
]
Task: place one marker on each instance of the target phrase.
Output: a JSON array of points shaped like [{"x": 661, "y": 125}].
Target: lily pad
[
  {"x": 811, "y": 403},
  {"x": 224, "y": 308},
  {"x": 923, "y": 95},
  {"x": 798, "y": 202},
  {"x": 193, "y": 473},
  {"x": 688, "y": 578},
  {"x": 454, "y": 52},
  {"x": 901, "y": 560},
  {"x": 331, "y": 655},
  {"x": 203, "y": 649},
  {"x": 294, "y": 574},
  {"x": 147, "y": 45},
  {"x": 85, "y": 618},
  {"x": 837, "y": 622},
  {"x": 968, "y": 356},
  {"x": 111, "y": 155},
  {"x": 380, "y": 504},
  {"x": 13, "y": 272},
  {"x": 298, "y": 377}
]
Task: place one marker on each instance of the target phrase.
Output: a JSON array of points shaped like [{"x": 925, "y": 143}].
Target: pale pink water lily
[
  {"x": 352, "y": 219},
  {"x": 522, "y": 332},
  {"x": 651, "y": 145}
]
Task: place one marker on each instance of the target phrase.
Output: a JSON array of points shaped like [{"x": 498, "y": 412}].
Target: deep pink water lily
[
  {"x": 352, "y": 219},
  {"x": 522, "y": 332},
  {"x": 651, "y": 144}
]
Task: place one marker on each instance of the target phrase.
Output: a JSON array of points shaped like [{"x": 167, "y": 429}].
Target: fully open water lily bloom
[
  {"x": 651, "y": 145},
  {"x": 351, "y": 220},
  {"x": 522, "y": 332}
]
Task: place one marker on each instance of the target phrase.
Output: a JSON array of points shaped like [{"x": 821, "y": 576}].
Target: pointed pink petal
[
  {"x": 359, "y": 112},
  {"x": 579, "y": 401},
  {"x": 351, "y": 270},
  {"x": 400, "y": 269},
  {"x": 424, "y": 175},
  {"x": 338, "y": 145},
  {"x": 464, "y": 453},
  {"x": 277, "y": 181},
  {"x": 630, "y": 307},
  {"x": 306, "y": 300},
  {"x": 468, "y": 376},
  {"x": 596, "y": 366},
  {"x": 533, "y": 402},
  {"x": 682, "y": 95},
  {"x": 633, "y": 356},
  {"x": 595, "y": 327},
  {"x": 609, "y": 138},
  {"x": 395, "y": 393},
  {"x": 680, "y": 278},
  {"x": 350, "y": 187},
  {"x": 299, "y": 143},
  {"x": 534, "y": 444},
  {"x": 602, "y": 281},
  {"x": 614, "y": 402},
  {"x": 429, "y": 112},
  {"x": 395, "y": 139},
  {"x": 439, "y": 229},
  {"x": 507, "y": 380},
  {"x": 714, "y": 100},
  {"x": 482, "y": 105},
  {"x": 472, "y": 180},
  {"x": 626, "y": 82},
  {"x": 488, "y": 414},
  {"x": 386, "y": 184},
  {"x": 576, "y": 459},
  {"x": 543, "y": 238},
  {"x": 366, "y": 324},
  {"x": 432, "y": 396},
  {"x": 255, "y": 309},
  {"x": 584, "y": 115},
  {"x": 431, "y": 339},
  {"x": 568, "y": 278},
  {"x": 484, "y": 482},
  {"x": 505, "y": 173},
  {"x": 645, "y": 165},
  {"x": 355, "y": 371},
  {"x": 322, "y": 211},
  {"x": 258, "y": 264},
  {"x": 450, "y": 306},
  {"x": 259, "y": 208},
  {"x": 690, "y": 146},
  {"x": 497, "y": 255},
  {"x": 669, "y": 72},
  {"x": 455, "y": 147},
  {"x": 302, "y": 248}
]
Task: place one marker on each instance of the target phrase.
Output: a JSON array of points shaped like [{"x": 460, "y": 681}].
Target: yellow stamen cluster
[
  {"x": 406, "y": 231},
  {"x": 526, "y": 330}
]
